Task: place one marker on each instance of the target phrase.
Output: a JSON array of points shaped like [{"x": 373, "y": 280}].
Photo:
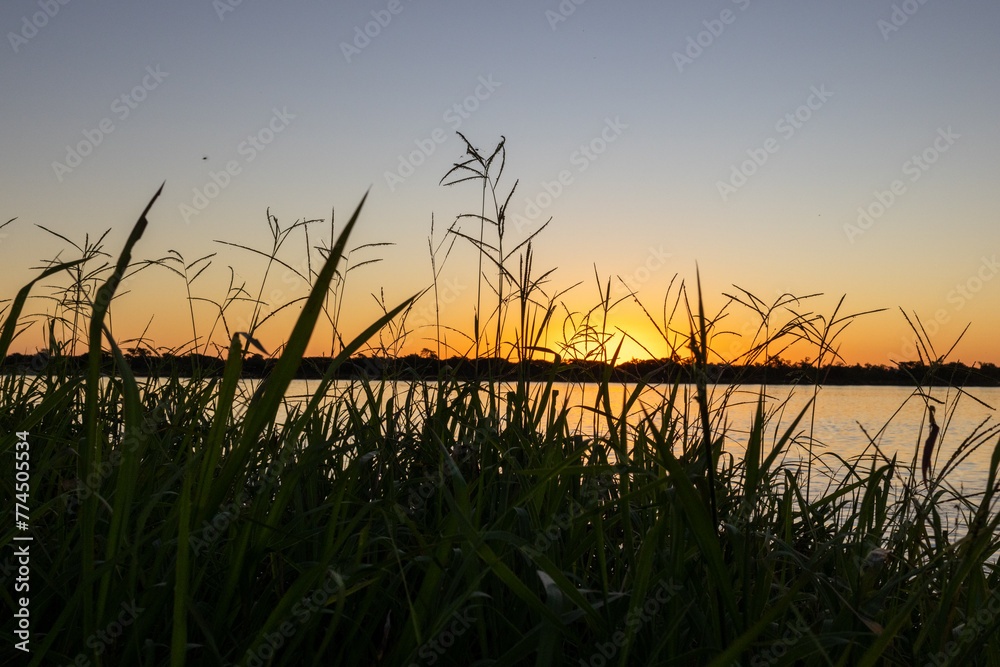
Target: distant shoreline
[{"x": 414, "y": 367}]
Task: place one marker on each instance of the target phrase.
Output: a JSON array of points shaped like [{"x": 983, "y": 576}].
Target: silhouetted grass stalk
[{"x": 360, "y": 524}]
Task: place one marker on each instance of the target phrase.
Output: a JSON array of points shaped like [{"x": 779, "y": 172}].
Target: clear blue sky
[{"x": 743, "y": 136}]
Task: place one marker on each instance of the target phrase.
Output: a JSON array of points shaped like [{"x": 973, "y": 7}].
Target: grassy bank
[{"x": 468, "y": 523}]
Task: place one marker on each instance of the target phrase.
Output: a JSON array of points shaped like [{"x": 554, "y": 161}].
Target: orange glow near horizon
[
  {"x": 688, "y": 181},
  {"x": 878, "y": 339},
  {"x": 851, "y": 351}
]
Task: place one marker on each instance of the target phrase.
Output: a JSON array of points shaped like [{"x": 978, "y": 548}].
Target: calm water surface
[
  {"x": 894, "y": 418},
  {"x": 844, "y": 421}
]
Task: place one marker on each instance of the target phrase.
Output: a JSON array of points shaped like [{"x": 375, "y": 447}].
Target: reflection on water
[
  {"x": 844, "y": 423},
  {"x": 844, "y": 419}
]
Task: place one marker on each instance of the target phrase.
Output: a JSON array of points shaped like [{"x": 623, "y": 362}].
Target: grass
[{"x": 181, "y": 521}]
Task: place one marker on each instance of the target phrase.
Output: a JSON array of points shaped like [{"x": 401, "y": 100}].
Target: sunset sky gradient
[{"x": 808, "y": 147}]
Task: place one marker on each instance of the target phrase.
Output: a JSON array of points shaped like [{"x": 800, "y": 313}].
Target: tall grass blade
[{"x": 91, "y": 452}]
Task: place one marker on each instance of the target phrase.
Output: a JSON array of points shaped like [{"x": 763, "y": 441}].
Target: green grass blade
[
  {"x": 10, "y": 324},
  {"x": 91, "y": 451}
]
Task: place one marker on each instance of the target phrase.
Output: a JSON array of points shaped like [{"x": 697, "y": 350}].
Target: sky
[{"x": 844, "y": 149}]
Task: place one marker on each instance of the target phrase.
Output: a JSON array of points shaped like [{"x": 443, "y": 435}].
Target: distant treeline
[{"x": 428, "y": 367}]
